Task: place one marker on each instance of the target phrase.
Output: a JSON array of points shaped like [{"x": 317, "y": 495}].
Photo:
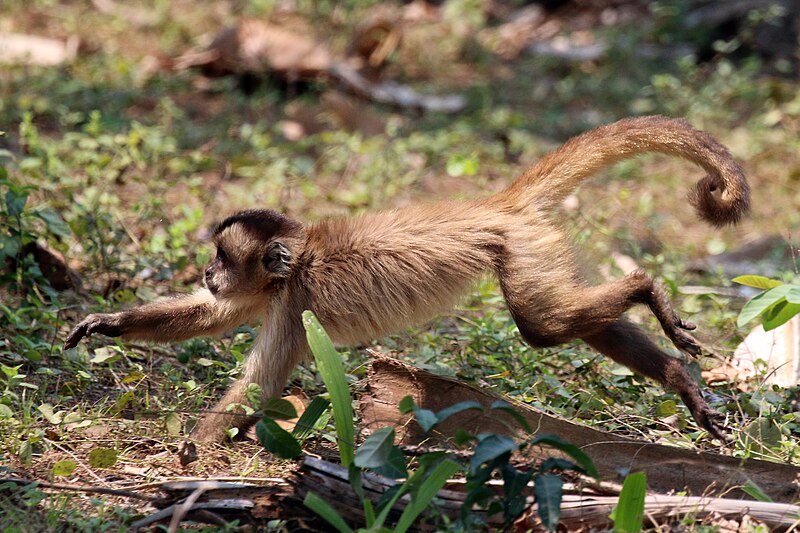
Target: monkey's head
[{"x": 256, "y": 251}]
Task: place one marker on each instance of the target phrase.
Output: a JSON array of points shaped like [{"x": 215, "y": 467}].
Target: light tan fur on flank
[{"x": 371, "y": 275}]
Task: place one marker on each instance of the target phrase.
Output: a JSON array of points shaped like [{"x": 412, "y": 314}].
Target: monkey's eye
[{"x": 222, "y": 257}]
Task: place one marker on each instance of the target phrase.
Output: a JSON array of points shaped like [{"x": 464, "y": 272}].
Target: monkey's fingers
[
  {"x": 76, "y": 335},
  {"x": 105, "y": 324}
]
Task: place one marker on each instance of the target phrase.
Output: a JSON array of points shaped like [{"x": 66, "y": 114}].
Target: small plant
[
  {"x": 776, "y": 305},
  {"x": 379, "y": 454},
  {"x": 628, "y": 515}
]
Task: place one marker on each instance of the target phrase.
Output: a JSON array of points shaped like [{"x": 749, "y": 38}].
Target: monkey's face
[{"x": 246, "y": 264}]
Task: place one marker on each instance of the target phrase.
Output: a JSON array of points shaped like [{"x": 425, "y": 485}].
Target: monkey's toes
[
  {"x": 712, "y": 421},
  {"x": 683, "y": 324},
  {"x": 685, "y": 342}
]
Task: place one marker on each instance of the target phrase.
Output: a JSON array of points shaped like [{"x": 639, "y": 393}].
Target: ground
[{"x": 122, "y": 164}]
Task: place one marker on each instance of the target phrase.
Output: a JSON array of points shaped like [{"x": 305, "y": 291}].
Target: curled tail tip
[{"x": 718, "y": 206}]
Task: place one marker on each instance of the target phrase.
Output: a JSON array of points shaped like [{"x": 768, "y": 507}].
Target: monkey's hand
[{"x": 107, "y": 324}]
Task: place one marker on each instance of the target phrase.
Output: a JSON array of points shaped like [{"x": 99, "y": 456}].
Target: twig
[{"x": 83, "y": 488}]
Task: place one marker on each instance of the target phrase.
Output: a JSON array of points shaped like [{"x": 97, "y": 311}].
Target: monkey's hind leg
[
  {"x": 564, "y": 310},
  {"x": 627, "y": 344}
]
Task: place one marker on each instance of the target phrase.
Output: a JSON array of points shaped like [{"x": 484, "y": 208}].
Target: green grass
[{"x": 124, "y": 174}]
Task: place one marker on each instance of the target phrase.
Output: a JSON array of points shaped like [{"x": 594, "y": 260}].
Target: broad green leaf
[
  {"x": 425, "y": 493},
  {"x": 502, "y": 405},
  {"x": 395, "y": 466},
  {"x": 47, "y": 411},
  {"x": 328, "y": 513},
  {"x": 330, "y": 367},
  {"x": 629, "y": 513},
  {"x": 5, "y": 411},
  {"x": 55, "y": 224},
  {"x": 277, "y": 440},
  {"x": 666, "y": 408},
  {"x": 778, "y": 314},
  {"x": 547, "y": 489},
  {"x": 64, "y": 468},
  {"x": 15, "y": 203},
  {"x": 173, "y": 424},
  {"x": 102, "y": 457},
  {"x": 278, "y": 409},
  {"x": 305, "y": 424},
  {"x": 793, "y": 296},
  {"x": 462, "y": 437},
  {"x": 406, "y": 404},
  {"x": 444, "y": 414},
  {"x": 425, "y": 418},
  {"x": 374, "y": 452},
  {"x": 759, "y": 282},
  {"x": 557, "y": 463},
  {"x": 760, "y": 302},
  {"x": 573, "y": 451},
  {"x": 489, "y": 449}
]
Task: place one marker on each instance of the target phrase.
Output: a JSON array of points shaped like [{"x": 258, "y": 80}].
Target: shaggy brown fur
[{"x": 374, "y": 274}]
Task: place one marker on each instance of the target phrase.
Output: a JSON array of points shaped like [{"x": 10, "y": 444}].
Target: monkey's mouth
[{"x": 214, "y": 289}]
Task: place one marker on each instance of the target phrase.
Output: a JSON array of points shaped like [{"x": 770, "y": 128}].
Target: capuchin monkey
[{"x": 368, "y": 276}]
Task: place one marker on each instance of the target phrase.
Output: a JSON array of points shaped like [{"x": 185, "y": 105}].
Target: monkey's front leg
[
  {"x": 280, "y": 345},
  {"x": 175, "y": 319}
]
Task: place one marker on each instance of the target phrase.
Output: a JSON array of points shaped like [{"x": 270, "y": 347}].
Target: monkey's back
[{"x": 396, "y": 268}]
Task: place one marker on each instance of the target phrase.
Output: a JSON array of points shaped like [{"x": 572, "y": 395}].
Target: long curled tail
[{"x": 721, "y": 197}]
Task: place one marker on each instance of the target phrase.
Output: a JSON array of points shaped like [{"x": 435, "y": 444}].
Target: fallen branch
[{"x": 668, "y": 468}]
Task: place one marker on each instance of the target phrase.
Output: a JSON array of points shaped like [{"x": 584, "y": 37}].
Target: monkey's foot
[
  {"x": 712, "y": 421},
  {"x": 683, "y": 341}
]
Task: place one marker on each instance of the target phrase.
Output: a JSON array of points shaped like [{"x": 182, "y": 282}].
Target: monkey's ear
[{"x": 278, "y": 259}]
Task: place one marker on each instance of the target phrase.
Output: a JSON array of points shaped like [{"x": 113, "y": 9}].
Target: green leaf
[
  {"x": 50, "y": 415},
  {"x": 462, "y": 437},
  {"x": 15, "y": 203},
  {"x": 502, "y": 405},
  {"x": 547, "y": 489},
  {"x": 278, "y": 409},
  {"x": 173, "y": 424},
  {"x": 406, "y": 404},
  {"x": 102, "y": 457},
  {"x": 760, "y": 303},
  {"x": 557, "y": 463},
  {"x": 573, "y": 451},
  {"x": 629, "y": 513},
  {"x": 395, "y": 466},
  {"x": 330, "y": 367},
  {"x": 55, "y": 224},
  {"x": 425, "y": 418},
  {"x": 328, "y": 513},
  {"x": 64, "y": 468},
  {"x": 755, "y": 492},
  {"x": 374, "y": 452},
  {"x": 425, "y": 493},
  {"x": 305, "y": 424},
  {"x": 277, "y": 440},
  {"x": 444, "y": 414},
  {"x": 666, "y": 408},
  {"x": 779, "y": 314},
  {"x": 759, "y": 282},
  {"x": 793, "y": 296},
  {"x": 489, "y": 449}
]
